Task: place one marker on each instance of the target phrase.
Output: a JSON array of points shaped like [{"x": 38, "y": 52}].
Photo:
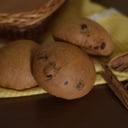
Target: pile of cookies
[{"x": 63, "y": 67}]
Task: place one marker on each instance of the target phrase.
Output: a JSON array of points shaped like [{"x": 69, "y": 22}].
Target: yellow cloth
[{"x": 116, "y": 24}]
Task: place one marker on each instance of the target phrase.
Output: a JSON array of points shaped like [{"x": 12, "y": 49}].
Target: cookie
[
  {"x": 21, "y": 19},
  {"x": 63, "y": 70},
  {"x": 15, "y": 65},
  {"x": 86, "y": 34}
]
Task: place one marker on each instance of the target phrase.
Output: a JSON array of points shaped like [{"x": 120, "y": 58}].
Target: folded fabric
[
  {"x": 111, "y": 19},
  {"x": 117, "y": 25}
]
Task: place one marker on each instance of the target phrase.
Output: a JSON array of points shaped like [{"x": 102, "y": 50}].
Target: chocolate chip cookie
[
  {"x": 63, "y": 70},
  {"x": 85, "y": 33}
]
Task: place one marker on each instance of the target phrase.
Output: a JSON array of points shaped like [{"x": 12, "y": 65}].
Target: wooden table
[{"x": 99, "y": 109}]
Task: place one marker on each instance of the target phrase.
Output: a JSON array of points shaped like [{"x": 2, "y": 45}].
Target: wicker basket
[{"x": 27, "y": 25}]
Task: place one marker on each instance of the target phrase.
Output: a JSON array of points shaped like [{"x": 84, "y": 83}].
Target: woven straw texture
[
  {"x": 26, "y": 19},
  {"x": 29, "y": 24}
]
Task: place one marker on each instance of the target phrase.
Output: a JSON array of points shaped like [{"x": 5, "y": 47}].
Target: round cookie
[
  {"x": 15, "y": 65},
  {"x": 63, "y": 70},
  {"x": 85, "y": 33}
]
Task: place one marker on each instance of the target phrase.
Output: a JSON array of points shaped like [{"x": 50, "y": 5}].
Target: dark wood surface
[{"x": 99, "y": 109}]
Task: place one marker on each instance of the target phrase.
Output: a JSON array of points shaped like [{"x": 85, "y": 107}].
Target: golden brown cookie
[
  {"x": 63, "y": 70},
  {"x": 15, "y": 65},
  {"x": 85, "y": 33}
]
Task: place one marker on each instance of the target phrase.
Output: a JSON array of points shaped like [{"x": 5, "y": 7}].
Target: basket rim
[{"x": 28, "y": 18}]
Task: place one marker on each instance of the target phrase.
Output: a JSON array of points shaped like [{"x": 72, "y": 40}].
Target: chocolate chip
[
  {"x": 49, "y": 76},
  {"x": 96, "y": 47},
  {"x": 79, "y": 86},
  {"x": 84, "y": 27},
  {"x": 50, "y": 70},
  {"x": 66, "y": 83},
  {"x": 40, "y": 57},
  {"x": 103, "y": 45}
]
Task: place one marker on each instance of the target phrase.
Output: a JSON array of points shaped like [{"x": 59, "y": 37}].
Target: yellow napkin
[{"x": 113, "y": 21}]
